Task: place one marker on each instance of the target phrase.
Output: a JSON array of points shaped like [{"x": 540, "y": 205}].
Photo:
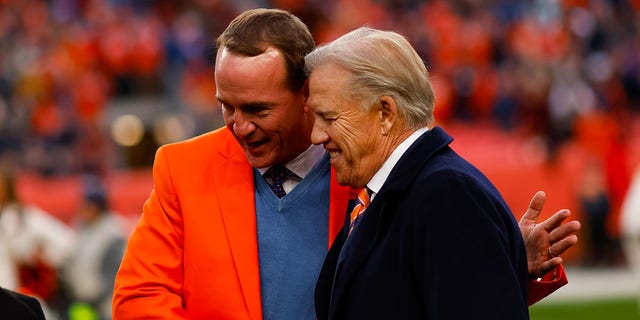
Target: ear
[
  {"x": 305, "y": 92},
  {"x": 388, "y": 112}
]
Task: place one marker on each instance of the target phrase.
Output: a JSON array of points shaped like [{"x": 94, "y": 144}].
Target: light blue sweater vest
[{"x": 292, "y": 243}]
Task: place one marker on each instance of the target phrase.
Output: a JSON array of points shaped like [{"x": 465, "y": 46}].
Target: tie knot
[
  {"x": 278, "y": 171},
  {"x": 275, "y": 177},
  {"x": 364, "y": 196}
]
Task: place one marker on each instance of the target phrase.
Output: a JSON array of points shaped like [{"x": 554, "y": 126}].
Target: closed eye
[
  {"x": 327, "y": 116},
  {"x": 255, "y": 109},
  {"x": 259, "y": 110},
  {"x": 226, "y": 108}
]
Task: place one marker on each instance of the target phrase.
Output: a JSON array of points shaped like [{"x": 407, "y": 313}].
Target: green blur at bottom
[
  {"x": 609, "y": 309},
  {"x": 81, "y": 311}
]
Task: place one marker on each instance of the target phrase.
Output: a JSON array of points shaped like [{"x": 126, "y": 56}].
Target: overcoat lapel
[{"x": 380, "y": 212}]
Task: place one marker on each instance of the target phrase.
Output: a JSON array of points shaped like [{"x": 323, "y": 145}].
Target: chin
[
  {"x": 260, "y": 163},
  {"x": 349, "y": 183},
  {"x": 340, "y": 180}
]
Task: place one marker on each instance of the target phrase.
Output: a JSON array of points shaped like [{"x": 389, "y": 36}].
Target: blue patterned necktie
[{"x": 277, "y": 174}]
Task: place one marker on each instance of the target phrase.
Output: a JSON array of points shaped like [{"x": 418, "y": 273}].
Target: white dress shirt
[{"x": 383, "y": 173}]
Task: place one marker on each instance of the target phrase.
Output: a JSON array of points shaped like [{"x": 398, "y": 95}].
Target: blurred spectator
[
  {"x": 630, "y": 226},
  {"x": 33, "y": 245},
  {"x": 607, "y": 136},
  {"x": 595, "y": 207},
  {"x": 90, "y": 273}
]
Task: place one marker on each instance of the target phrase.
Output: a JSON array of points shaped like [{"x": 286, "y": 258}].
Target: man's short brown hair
[{"x": 253, "y": 31}]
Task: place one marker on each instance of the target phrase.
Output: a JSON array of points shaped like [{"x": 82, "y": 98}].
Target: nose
[
  {"x": 242, "y": 125},
  {"x": 318, "y": 133}
]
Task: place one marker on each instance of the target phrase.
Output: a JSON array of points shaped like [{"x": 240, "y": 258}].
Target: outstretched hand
[{"x": 547, "y": 240}]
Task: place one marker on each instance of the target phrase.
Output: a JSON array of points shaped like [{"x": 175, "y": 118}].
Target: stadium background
[{"x": 536, "y": 93}]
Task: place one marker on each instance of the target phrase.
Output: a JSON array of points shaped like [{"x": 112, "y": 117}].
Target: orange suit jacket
[{"x": 194, "y": 251}]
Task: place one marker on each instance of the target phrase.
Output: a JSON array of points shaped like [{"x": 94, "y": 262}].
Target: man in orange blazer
[{"x": 214, "y": 242}]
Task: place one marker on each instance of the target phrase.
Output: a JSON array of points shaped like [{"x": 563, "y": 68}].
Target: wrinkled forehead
[{"x": 328, "y": 81}]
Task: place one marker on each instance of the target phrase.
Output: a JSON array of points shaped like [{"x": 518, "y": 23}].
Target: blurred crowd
[
  {"x": 545, "y": 68},
  {"x": 551, "y": 70},
  {"x": 70, "y": 267}
]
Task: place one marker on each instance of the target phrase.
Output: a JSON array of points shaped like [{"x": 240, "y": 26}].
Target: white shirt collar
[
  {"x": 304, "y": 162},
  {"x": 375, "y": 184}
]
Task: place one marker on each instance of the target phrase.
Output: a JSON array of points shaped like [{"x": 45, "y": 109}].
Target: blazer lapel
[{"x": 233, "y": 183}]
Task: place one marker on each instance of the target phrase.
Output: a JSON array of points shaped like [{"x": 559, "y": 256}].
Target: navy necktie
[{"x": 277, "y": 174}]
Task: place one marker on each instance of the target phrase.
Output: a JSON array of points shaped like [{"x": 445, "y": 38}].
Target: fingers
[
  {"x": 549, "y": 265},
  {"x": 560, "y": 232},
  {"x": 555, "y": 220},
  {"x": 537, "y": 202},
  {"x": 535, "y": 207},
  {"x": 561, "y": 246}
]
